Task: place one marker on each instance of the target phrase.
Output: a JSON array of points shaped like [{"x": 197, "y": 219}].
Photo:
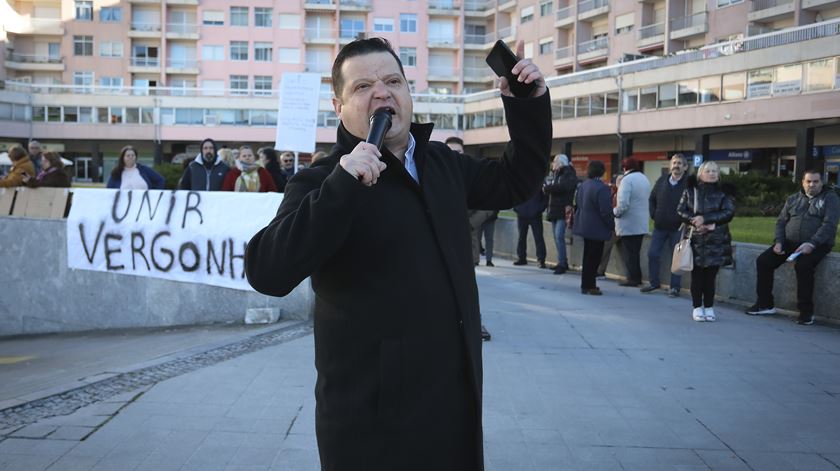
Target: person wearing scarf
[
  {"x": 51, "y": 174},
  {"x": 248, "y": 175}
]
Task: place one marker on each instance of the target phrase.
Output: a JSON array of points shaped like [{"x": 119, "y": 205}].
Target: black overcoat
[
  {"x": 716, "y": 204},
  {"x": 397, "y": 324}
]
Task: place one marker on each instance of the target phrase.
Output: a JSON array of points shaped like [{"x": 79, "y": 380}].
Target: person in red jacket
[{"x": 247, "y": 175}]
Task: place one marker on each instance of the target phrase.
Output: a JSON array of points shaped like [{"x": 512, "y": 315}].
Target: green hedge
[
  {"x": 760, "y": 195},
  {"x": 171, "y": 173}
]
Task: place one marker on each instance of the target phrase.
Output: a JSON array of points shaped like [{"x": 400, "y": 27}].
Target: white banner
[
  {"x": 190, "y": 236},
  {"x": 297, "y": 118}
]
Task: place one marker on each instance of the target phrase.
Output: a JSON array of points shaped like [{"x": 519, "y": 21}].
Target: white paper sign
[
  {"x": 298, "y": 112},
  {"x": 190, "y": 236}
]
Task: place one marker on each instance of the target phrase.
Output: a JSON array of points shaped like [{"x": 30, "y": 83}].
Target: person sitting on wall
[
  {"x": 21, "y": 165},
  {"x": 51, "y": 174},
  {"x": 805, "y": 232}
]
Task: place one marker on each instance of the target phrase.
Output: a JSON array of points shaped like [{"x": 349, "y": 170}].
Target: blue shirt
[{"x": 409, "y": 163}]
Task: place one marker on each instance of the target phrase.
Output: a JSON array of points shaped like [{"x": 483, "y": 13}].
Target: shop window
[
  {"x": 733, "y": 86},
  {"x": 819, "y": 75},
  {"x": 759, "y": 82},
  {"x": 787, "y": 80}
]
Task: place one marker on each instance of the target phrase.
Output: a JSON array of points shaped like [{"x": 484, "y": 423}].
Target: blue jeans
[
  {"x": 559, "y": 227},
  {"x": 657, "y": 241}
]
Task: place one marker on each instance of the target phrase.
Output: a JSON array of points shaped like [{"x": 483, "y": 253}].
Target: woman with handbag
[{"x": 707, "y": 206}]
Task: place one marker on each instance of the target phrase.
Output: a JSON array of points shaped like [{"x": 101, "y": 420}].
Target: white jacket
[{"x": 632, "y": 210}]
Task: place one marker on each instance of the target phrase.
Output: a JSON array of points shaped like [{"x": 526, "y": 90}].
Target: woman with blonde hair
[
  {"x": 21, "y": 166},
  {"x": 247, "y": 175},
  {"x": 706, "y": 207}
]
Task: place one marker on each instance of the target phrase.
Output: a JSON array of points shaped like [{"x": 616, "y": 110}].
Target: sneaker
[
  {"x": 674, "y": 293},
  {"x": 542, "y": 264},
  {"x": 560, "y": 269},
  {"x": 757, "y": 310},
  {"x": 698, "y": 315},
  {"x": 709, "y": 313},
  {"x": 648, "y": 289},
  {"x": 520, "y": 262},
  {"x": 805, "y": 319}
]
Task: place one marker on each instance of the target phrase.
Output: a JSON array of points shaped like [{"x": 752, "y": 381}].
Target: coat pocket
[{"x": 389, "y": 379}]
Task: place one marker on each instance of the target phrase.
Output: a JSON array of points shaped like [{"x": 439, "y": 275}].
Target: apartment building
[{"x": 643, "y": 77}]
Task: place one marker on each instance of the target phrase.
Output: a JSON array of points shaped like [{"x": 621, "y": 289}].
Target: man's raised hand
[
  {"x": 363, "y": 163},
  {"x": 526, "y": 71}
]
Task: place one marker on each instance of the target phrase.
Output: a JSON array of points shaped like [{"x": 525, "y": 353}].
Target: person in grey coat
[
  {"x": 631, "y": 213},
  {"x": 708, "y": 207},
  {"x": 805, "y": 230},
  {"x": 594, "y": 222}
]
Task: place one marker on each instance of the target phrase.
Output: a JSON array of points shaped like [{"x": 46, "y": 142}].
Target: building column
[
  {"x": 158, "y": 153},
  {"x": 701, "y": 146},
  {"x": 566, "y": 148},
  {"x": 805, "y": 152},
  {"x": 97, "y": 165}
]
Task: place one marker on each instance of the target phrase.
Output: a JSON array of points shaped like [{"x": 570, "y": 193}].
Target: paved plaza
[{"x": 625, "y": 381}]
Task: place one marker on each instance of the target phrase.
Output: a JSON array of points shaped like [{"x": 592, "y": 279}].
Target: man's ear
[{"x": 337, "y": 106}]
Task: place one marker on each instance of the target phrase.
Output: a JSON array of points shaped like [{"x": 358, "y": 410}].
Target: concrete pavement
[{"x": 621, "y": 381}]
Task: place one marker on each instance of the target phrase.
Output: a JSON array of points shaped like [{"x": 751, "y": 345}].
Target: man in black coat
[
  {"x": 384, "y": 236},
  {"x": 664, "y": 199},
  {"x": 560, "y": 188},
  {"x": 206, "y": 172}
]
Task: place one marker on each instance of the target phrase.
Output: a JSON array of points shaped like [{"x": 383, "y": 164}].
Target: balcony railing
[
  {"x": 475, "y": 39},
  {"x": 478, "y": 5},
  {"x": 505, "y": 33},
  {"x": 145, "y": 61},
  {"x": 563, "y": 13},
  {"x": 145, "y": 27},
  {"x": 650, "y": 31},
  {"x": 593, "y": 45},
  {"x": 758, "y": 5},
  {"x": 444, "y": 5},
  {"x": 317, "y": 33},
  {"x": 350, "y": 33},
  {"x": 33, "y": 58},
  {"x": 318, "y": 67},
  {"x": 355, "y": 3},
  {"x": 38, "y": 23},
  {"x": 182, "y": 63},
  {"x": 563, "y": 52},
  {"x": 181, "y": 28},
  {"x": 448, "y": 40},
  {"x": 588, "y": 5},
  {"x": 319, "y": 2},
  {"x": 474, "y": 73},
  {"x": 442, "y": 71},
  {"x": 691, "y": 21}
]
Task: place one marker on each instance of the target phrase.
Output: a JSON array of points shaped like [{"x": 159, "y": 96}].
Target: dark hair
[
  {"x": 629, "y": 163},
  {"x": 211, "y": 141},
  {"x": 595, "y": 169},
  {"x": 54, "y": 159},
  {"x": 272, "y": 164},
  {"x": 117, "y": 172},
  {"x": 455, "y": 139},
  {"x": 812, "y": 171},
  {"x": 16, "y": 153},
  {"x": 355, "y": 48}
]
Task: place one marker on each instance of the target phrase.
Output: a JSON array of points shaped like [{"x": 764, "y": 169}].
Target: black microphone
[{"x": 380, "y": 123}]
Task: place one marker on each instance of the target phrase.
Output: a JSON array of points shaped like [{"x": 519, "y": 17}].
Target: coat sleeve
[
  {"x": 229, "y": 182},
  {"x": 567, "y": 182},
  {"x": 683, "y": 210},
  {"x": 112, "y": 182},
  {"x": 828, "y": 229},
  {"x": 723, "y": 214},
  {"x": 504, "y": 183},
  {"x": 623, "y": 198},
  {"x": 313, "y": 221},
  {"x": 605, "y": 207},
  {"x": 186, "y": 179},
  {"x": 652, "y": 198},
  {"x": 158, "y": 182},
  {"x": 782, "y": 220}
]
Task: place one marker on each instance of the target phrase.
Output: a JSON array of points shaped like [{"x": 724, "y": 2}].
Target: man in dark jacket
[
  {"x": 384, "y": 235},
  {"x": 35, "y": 154},
  {"x": 560, "y": 189},
  {"x": 805, "y": 232},
  {"x": 206, "y": 172},
  {"x": 529, "y": 214},
  {"x": 664, "y": 199}
]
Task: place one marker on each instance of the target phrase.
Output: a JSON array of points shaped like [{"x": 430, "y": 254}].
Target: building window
[
  {"x": 262, "y": 85},
  {"x": 288, "y": 55},
  {"x": 238, "y": 84},
  {"x": 262, "y": 17},
  {"x": 82, "y": 45},
  {"x": 526, "y": 14},
  {"x": 408, "y": 23},
  {"x": 213, "y": 53},
  {"x": 624, "y": 23},
  {"x": 545, "y": 7},
  {"x": 787, "y": 80},
  {"x": 687, "y": 93},
  {"x": 383, "y": 25},
  {"x": 647, "y": 98},
  {"x": 112, "y": 83},
  {"x": 710, "y": 89},
  {"x": 819, "y": 75},
  {"x": 213, "y": 18},
  {"x": 351, "y": 27},
  {"x": 583, "y": 108},
  {"x": 733, "y": 86},
  {"x": 83, "y": 80},
  {"x": 239, "y": 50},
  {"x": 111, "y": 49},
  {"x": 408, "y": 56},
  {"x": 84, "y": 10},
  {"x": 630, "y": 100},
  {"x": 759, "y": 82},
  {"x": 667, "y": 95},
  {"x": 546, "y": 46},
  {"x": 287, "y": 21},
  {"x": 239, "y": 16},
  {"x": 263, "y": 52},
  {"x": 263, "y": 118},
  {"x": 71, "y": 114},
  {"x": 726, "y": 3},
  {"x": 110, "y": 14}
]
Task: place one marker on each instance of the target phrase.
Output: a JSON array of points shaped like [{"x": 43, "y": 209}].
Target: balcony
[
  {"x": 323, "y": 68},
  {"x": 39, "y": 26},
  {"x": 819, "y": 5},
  {"x": 442, "y": 74},
  {"x": 506, "y": 34},
  {"x": 770, "y": 10},
  {"x": 182, "y": 66},
  {"x": 442, "y": 42},
  {"x": 181, "y": 31},
  {"x": 182, "y": 2},
  {"x": 594, "y": 49},
  {"x": 319, "y": 5},
  {"x": 588, "y": 9},
  {"x": 144, "y": 30},
  {"x": 479, "y": 7},
  {"x": 563, "y": 18},
  {"x": 150, "y": 2},
  {"x": 564, "y": 56},
  {"x": 144, "y": 64},
  {"x": 347, "y": 35},
  {"x": 319, "y": 36},
  {"x": 34, "y": 63},
  {"x": 688, "y": 26},
  {"x": 651, "y": 35},
  {"x": 444, "y": 8},
  {"x": 506, "y": 5},
  {"x": 478, "y": 74},
  {"x": 355, "y": 5}
]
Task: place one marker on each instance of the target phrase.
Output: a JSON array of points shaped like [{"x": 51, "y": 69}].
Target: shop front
[{"x": 581, "y": 161}]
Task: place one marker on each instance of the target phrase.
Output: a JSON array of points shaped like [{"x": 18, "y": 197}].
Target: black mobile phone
[{"x": 501, "y": 59}]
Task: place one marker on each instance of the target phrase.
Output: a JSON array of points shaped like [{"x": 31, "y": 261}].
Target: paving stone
[
  {"x": 34, "y": 431},
  {"x": 70, "y": 432}
]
